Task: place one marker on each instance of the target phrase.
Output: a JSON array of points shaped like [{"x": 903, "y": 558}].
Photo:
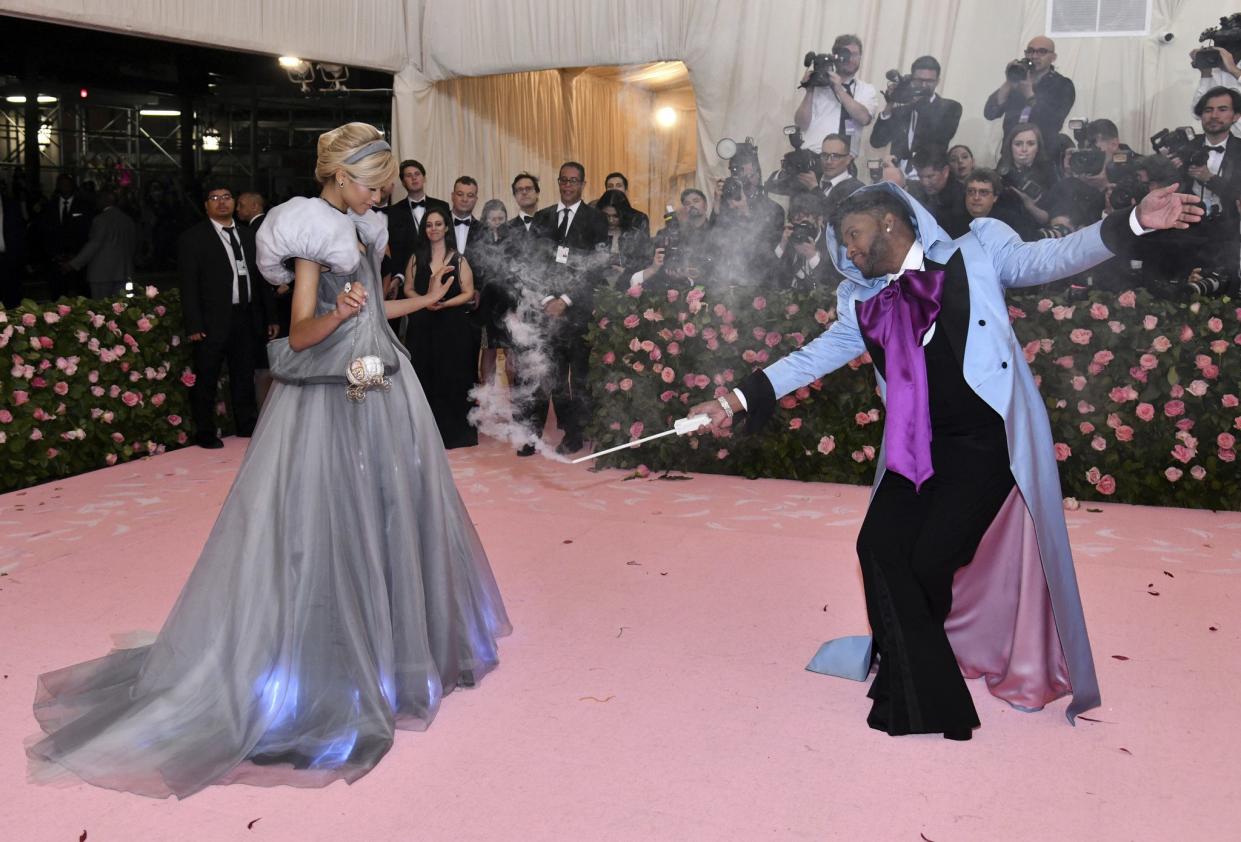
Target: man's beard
[{"x": 880, "y": 250}]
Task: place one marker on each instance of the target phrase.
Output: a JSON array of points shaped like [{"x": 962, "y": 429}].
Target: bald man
[{"x": 1043, "y": 97}]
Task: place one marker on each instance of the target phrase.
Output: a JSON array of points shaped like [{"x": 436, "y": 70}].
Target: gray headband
[{"x": 369, "y": 149}]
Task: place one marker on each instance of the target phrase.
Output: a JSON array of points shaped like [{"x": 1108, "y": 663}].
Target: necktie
[
  {"x": 417, "y": 203},
  {"x": 456, "y": 221},
  {"x": 897, "y": 319},
  {"x": 64, "y": 209},
  {"x": 844, "y": 115},
  {"x": 243, "y": 292},
  {"x": 563, "y": 230},
  {"x": 1219, "y": 149}
]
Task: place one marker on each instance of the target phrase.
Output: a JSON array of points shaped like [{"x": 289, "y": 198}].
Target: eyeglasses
[
  {"x": 223, "y": 197},
  {"x": 563, "y": 180},
  {"x": 1037, "y": 51},
  {"x": 834, "y": 156}
]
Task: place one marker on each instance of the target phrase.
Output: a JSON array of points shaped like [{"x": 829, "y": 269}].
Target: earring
[
  {"x": 340, "y": 185},
  {"x": 888, "y": 229}
]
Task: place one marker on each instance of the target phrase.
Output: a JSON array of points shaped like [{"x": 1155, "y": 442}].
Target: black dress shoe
[
  {"x": 526, "y": 450},
  {"x": 245, "y": 434},
  {"x": 209, "y": 442},
  {"x": 960, "y": 735}
]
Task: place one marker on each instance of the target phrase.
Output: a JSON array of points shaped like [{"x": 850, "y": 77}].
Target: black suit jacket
[
  {"x": 403, "y": 234},
  {"x": 1227, "y": 184},
  {"x": 587, "y": 243},
  {"x": 206, "y": 281},
  {"x": 1053, "y": 100},
  {"x": 476, "y": 226},
  {"x": 65, "y": 238},
  {"x": 938, "y": 119}
]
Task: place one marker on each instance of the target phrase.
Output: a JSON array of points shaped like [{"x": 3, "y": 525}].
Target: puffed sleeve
[{"x": 307, "y": 228}]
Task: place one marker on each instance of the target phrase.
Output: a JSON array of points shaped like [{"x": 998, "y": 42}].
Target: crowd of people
[{"x": 542, "y": 265}]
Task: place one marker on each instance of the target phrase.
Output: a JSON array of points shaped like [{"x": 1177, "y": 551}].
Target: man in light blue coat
[{"x": 964, "y": 550}]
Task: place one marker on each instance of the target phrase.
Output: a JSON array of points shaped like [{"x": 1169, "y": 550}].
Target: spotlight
[
  {"x": 290, "y": 62},
  {"x": 20, "y": 99},
  {"x": 45, "y": 136},
  {"x": 666, "y": 117},
  {"x": 335, "y": 75},
  {"x": 211, "y": 139},
  {"x": 300, "y": 72},
  {"x": 159, "y": 112}
]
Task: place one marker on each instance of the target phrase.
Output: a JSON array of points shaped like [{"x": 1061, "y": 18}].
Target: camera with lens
[
  {"x": 1085, "y": 159},
  {"x": 1054, "y": 232},
  {"x": 732, "y": 189},
  {"x": 902, "y": 92},
  {"x": 784, "y": 181},
  {"x": 1019, "y": 181},
  {"x": 1018, "y": 70},
  {"x": 1179, "y": 143},
  {"x": 822, "y": 64},
  {"x": 804, "y": 232},
  {"x": 1209, "y": 283},
  {"x": 1226, "y": 36}
]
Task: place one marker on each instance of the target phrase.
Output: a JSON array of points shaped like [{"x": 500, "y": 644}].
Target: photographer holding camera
[
  {"x": 938, "y": 191},
  {"x": 802, "y": 260},
  {"x": 1216, "y": 62},
  {"x": 1033, "y": 92},
  {"x": 836, "y": 101},
  {"x": 761, "y": 214},
  {"x": 680, "y": 260},
  {"x": 914, "y": 115}
]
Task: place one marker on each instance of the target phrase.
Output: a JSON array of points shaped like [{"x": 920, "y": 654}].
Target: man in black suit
[
  {"x": 223, "y": 301},
  {"x": 526, "y": 195},
  {"x": 938, "y": 191},
  {"x": 405, "y": 216},
  {"x": 928, "y": 120},
  {"x": 571, "y": 239},
  {"x": 64, "y": 228},
  {"x": 637, "y": 219},
  {"x": 464, "y": 224},
  {"x": 1218, "y": 180},
  {"x": 12, "y": 251},
  {"x": 837, "y": 182},
  {"x": 1042, "y": 96}
]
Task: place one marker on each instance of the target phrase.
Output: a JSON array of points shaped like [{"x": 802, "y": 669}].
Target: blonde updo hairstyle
[{"x": 375, "y": 170}]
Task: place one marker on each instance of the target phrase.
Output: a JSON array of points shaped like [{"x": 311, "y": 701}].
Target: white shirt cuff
[
  {"x": 546, "y": 299},
  {"x": 741, "y": 399},
  {"x": 637, "y": 279},
  {"x": 779, "y": 250},
  {"x": 567, "y": 300},
  {"x": 813, "y": 263},
  {"x": 1135, "y": 226}
]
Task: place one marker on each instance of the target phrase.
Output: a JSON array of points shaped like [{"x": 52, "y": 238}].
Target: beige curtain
[{"x": 493, "y": 127}]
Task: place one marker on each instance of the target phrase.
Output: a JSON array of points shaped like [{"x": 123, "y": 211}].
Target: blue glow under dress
[{"x": 341, "y": 594}]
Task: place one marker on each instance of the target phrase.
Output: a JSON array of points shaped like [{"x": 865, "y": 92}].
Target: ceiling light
[
  {"x": 211, "y": 139},
  {"x": 159, "y": 112},
  {"x": 666, "y": 117},
  {"x": 20, "y": 99},
  {"x": 288, "y": 62}
]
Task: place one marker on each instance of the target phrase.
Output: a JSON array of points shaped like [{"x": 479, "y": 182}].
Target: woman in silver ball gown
[{"x": 343, "y": 590}]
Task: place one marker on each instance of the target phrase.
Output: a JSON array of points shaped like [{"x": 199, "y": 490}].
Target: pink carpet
[{"x": 654, "y": 686}]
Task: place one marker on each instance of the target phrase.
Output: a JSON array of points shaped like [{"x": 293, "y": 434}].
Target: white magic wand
[{"x": 682, "y": 427}]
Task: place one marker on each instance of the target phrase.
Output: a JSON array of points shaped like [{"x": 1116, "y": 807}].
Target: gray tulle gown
[{"x": 341, "y": 594}]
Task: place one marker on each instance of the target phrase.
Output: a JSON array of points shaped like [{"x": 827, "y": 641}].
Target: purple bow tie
[{"x": 896, "y": 320}]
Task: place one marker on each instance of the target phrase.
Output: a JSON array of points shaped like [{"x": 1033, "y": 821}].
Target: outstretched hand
[
  {"x": 712, "y": 409},
  {"x": 1163, "y": 208},
  {"x": 441, "y": 280}
]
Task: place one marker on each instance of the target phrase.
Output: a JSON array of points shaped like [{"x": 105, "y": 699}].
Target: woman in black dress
[
  {"x": 629, "y": 245},
  {"x": 1027, "y": 170},
  {"x": 439, "y": 338}
]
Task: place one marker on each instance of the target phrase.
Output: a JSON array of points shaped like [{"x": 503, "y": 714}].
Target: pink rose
[
  {"x": 1186, "y": 333},
  {"x": 188, "y": 377},
  {"x": 869, "y": 452},
  {"x": 1173, "y": 474},
  {"x": 760, "y": 303},
  {"x": 1161, "y": 343},
  {"x": 36, "y": 434},
  {"x": 1116, "y": 327},
  {"x": 826, "y": 445},
  {"x": 1098, "y": 311},
  {"x": 1124, "y": 433},
  {"x": 858, "y": 456},
  {"x": 1150, "y": 322},
  {"x": 674, "y": 348},
  {"x": 1078, "y": 383},
  {"x": 639, "y": 367},
  {"x": 1127, "y": 299},
  {"x": 673, "y": 295},
  {"x": 1210, "y": 372},
  {"x": 174, "y": 420},
  {"x": 1063, "y": 451},
  {"x": 1174, "y": 408},
  {"x": 609, "y": 358},
  {"x": 1044, "y": 305},
  {"x": 664, "y": 396},
  {"x": 1148, "y": 362},
  {"x": 117, "y": 437},
  {"x": 1227, "y": 455},
  {"x": 1183, "y": 454},
  {"x": 1061, "y": 313},
  {"x": 722, "y": 453},
  {"x": 634, "y": 291},
  {"x": 631, "y": 321},
  {"x": 29, "y": 320},
  {"x": 151, "y": 292},
  {"x": 20, "y": 397},
  {"x": 1086, "y": 428},
  {"x": 5, "y": 416},
  {"x": 1227, "y": 441},
  {"x": 51, "y": 318},
  {"x": 1085, "y": 408},
  {"x": 1123, "y": 394},
  {"x": 690, "y": 330},
  {"x": 626, "y": 384},
  {"x": 1177, "y": 391},
  {"x": 1103, "y": 357},
  {"x": 1080, "y": 336},
  {"x": 635, "y": 430},
  {"x": 118, "y": 308},
  {"x": 1197, "y": 388},
  {"x": 821, "y": 316},
  {"x": 1219, "y": 346},
  {"x": 1230, "y": 401},
  {"x": 1214, "y": 324},
  {"x": 667, "y": 375},
  {"x": 773, "y": 339},
  {"x": 759, "y": 333},
  {"x": 1064, "y": 362},
  {"x": 1106, "y": 484},
  {"x": 1093, "y": 476},
  {"x": 1099, "y": 443},
  {"x": 788, "y": 402},
  {"x": 61, "y": 388},
  {"x": 702, "y": 381},
  {"x": 46, "y": 342},
  {"x": 1185, "y": 424},
  {"x": 795, "y": 424},
  {"x": 131, "y": 398},
  {"x": 1198, "y": 472},
  {"x": 609, "y": 387},
  {"x": 861, "y": 419},
  {"x": 792, "y": 310}
]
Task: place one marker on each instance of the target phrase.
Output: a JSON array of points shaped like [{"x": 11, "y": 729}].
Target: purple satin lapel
[{"x": 896, "y": 320}]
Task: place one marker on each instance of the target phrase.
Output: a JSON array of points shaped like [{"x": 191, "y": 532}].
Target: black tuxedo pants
[
  {"x": 910, "y": 546},
  {"x": 565, "y": 386},
  {"x": 236, "y": 348}
]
